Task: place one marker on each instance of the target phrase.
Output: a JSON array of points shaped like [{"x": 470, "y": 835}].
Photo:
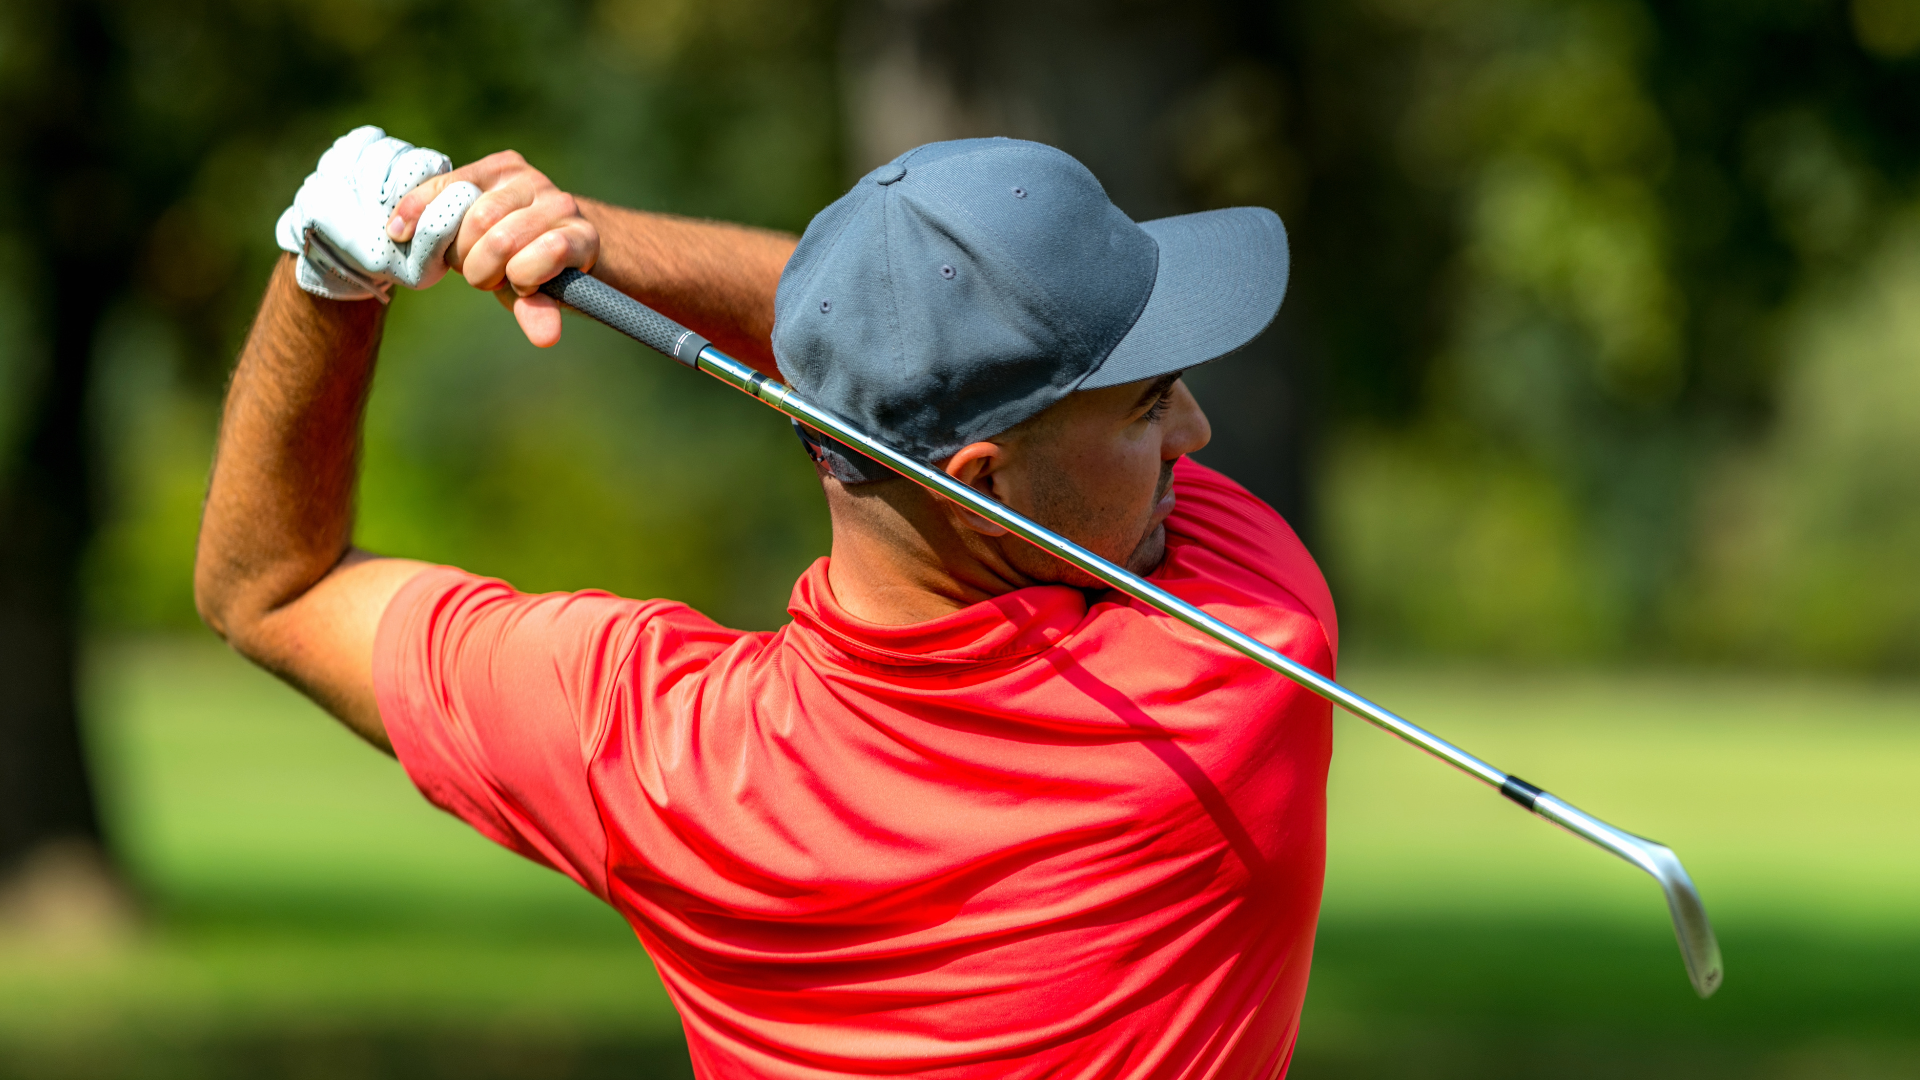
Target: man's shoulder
[
  {"x": 445, "y": 605},
  {"x": 1224, "y": 533}
]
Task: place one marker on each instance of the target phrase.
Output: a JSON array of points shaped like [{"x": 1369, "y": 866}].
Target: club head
[{"x": 1697, "y": 944}]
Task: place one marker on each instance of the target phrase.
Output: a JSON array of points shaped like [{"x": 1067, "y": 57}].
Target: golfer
[{"x": 968, "y": 814}]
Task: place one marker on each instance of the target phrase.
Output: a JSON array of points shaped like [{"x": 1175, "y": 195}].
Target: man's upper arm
[
  {"x": 496, "y": 701},
  {"x": 322, "y": 642}
]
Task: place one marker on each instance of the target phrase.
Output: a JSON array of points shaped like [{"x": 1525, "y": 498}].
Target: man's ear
[{"x": 975, "y": 465}]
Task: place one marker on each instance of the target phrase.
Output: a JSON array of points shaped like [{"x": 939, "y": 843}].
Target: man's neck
[{"x": 890, "y": 570}]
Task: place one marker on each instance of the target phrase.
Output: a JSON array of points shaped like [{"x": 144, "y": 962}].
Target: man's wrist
[
  {"x": 623, "y": 241},
  {"x": 346, "y": 324},
  {"x": 714, "y": 277}
]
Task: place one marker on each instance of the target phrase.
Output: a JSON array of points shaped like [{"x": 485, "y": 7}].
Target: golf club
[{"x": 602, "y": 302}]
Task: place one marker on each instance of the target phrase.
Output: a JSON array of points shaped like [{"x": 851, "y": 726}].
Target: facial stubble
[{"x": 1060, "y": 505}]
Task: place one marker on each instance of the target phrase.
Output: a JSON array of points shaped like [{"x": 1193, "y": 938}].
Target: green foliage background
[
  {"x": 586, "y": 466},
  {"x": 1611, "y": 306},
  {"x": 1653, "y": 393},
  {"x": 1613, "y": 303}
]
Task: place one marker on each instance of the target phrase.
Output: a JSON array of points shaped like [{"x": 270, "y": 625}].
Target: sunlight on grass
[
  {"x": 1788, "y": 800},
  {"x": 308, "y": 904},
  {"x": 296, "y": 878}
]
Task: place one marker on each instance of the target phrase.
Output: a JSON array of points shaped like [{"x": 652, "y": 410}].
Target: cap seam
[
  {"x": 1053, "y": 307},
  {"x": 896, "y": 340},
  {"x": 1137, "y": 313},
  {"x": 805, "y": 285}
]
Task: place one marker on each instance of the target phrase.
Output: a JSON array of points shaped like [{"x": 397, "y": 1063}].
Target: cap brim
[{"x": 1221, "y": 277}]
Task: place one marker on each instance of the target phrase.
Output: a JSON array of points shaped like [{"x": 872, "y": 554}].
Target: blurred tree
[
  {"x": 145, "y": 150},
  {"x": 1594, "y": 223},
  {"x": 1599, "y": 304},
  {"x": 72, "y": 214}
]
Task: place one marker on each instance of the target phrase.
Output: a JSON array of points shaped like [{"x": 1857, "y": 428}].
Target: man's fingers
[
  {"x": 539, "y": 318},
  {"x": 574, "y": 244},
  {"x": 490, "y": 171},
  {"x": 486, "y": 174},
  {"x": 484, "y": 218},
  {"x": 406, "y": 216},
  {"x": 485, "y": 264},
  {"x": 520, "y": 232},
  {"x": 538, "y": 315}
]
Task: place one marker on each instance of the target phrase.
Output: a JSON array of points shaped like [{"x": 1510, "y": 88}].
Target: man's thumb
[{"x": 406, "y": 216}]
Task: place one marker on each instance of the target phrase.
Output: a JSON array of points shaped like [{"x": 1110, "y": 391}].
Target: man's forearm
[
  {"x": 279, "y": 512},
  {"x": 715, "y": 277}
]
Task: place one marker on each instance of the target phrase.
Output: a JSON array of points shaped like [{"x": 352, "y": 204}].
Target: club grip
[{"x": 602, "y": 302}]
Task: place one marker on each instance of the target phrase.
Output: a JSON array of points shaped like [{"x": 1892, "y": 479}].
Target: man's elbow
[
  {"x": 220, "y": 600},
  {"x": 210, "y": 601}
]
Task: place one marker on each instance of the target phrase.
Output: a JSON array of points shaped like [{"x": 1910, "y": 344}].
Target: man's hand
[
  {"x": 276, "y": 572},
  {"x": 517, "y": 235},
  {"x": 336, "y": 223},
  {"x": 717, "y": 278}
]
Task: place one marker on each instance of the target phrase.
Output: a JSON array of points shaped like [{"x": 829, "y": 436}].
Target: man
[{"x": 969, "y": 814}]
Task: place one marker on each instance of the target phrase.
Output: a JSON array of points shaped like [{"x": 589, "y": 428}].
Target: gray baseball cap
[{"x": 966, "y": 286}]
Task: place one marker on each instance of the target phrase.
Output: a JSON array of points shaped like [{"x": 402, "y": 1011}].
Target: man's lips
[
  {"x": 1162, "y": 510},
  {"x": 1163, "y": 498}
]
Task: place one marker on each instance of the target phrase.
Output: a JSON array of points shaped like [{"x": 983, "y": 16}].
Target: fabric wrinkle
[{"x": 1054, "y": 836}]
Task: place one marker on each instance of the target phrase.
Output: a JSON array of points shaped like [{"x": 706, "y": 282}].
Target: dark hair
[{"x": 843, "y": 462}]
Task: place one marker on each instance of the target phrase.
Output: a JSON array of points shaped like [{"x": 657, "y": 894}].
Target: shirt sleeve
[{"x": 495, "y": 701}]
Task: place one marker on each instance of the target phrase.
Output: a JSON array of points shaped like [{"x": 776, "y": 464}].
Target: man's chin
[
  {"x": 1152, "y": 551},
  {"x": 1146, "y": 558}
]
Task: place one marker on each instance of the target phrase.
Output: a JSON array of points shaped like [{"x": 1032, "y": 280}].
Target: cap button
[{"x": 890, "y": 174}]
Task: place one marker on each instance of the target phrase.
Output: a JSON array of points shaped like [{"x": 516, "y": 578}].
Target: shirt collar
[{"x": 1020, "y": 623}]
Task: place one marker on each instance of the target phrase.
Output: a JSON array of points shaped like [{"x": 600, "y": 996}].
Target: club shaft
[
  {"x": 781, "y": 397},
  {"x": 602, "y": 302},
  {"x": 606, "y": 304}
]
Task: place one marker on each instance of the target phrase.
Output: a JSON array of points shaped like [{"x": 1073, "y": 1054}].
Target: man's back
[{"x": 1035, "y": 837}]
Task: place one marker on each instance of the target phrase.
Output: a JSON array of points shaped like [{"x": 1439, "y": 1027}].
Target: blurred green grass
[
  {"x": 312, "y": 916},
  {"x": 1462, "y": 938}
]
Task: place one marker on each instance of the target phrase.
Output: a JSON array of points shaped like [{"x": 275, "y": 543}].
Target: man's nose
[{"x": 1186, "y": 424}]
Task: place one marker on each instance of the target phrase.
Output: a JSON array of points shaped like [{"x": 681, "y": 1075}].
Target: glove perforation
[{"x": 338, "y": 221}]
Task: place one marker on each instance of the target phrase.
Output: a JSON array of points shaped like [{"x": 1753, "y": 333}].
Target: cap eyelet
[
  {"x": 1019, "y": 193},
  {"x": 947, "y": 272},
  {"x": 826, "y": 306}
]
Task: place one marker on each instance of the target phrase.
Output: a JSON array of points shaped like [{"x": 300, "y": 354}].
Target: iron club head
[
  {"x": 616, "y": 309},
  {"x": 1698, "y": 946}
]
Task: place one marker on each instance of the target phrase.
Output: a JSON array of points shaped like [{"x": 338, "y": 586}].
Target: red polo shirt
[{"x": 1048, "y": 835}]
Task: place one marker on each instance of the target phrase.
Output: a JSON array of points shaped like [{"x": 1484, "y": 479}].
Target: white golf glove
[{"x": 338, "y": 221}]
